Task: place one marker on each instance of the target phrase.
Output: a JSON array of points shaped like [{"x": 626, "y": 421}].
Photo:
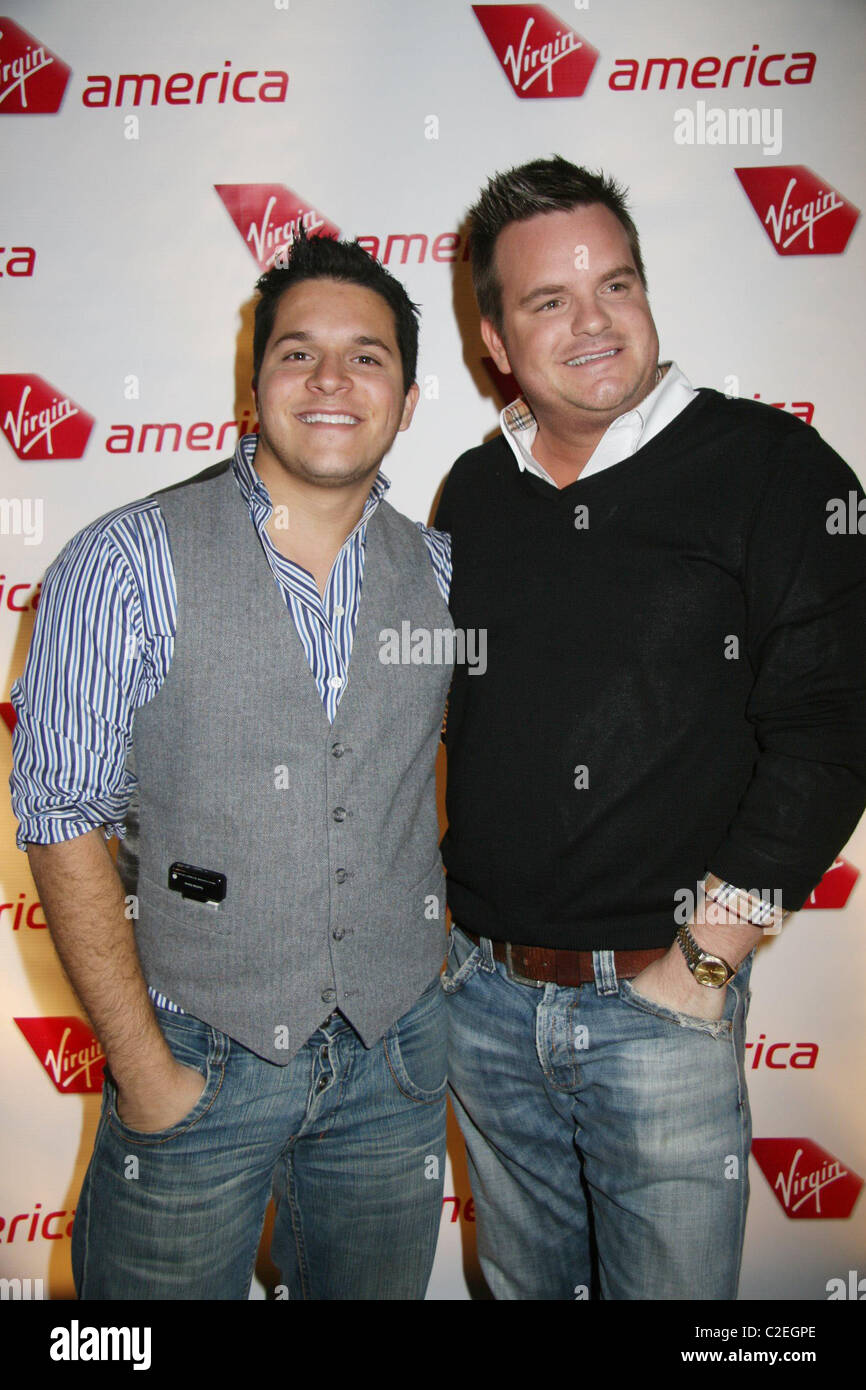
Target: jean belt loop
[
  {"x": 605, "y": 972},
  {"x": 488, "y": 960}
]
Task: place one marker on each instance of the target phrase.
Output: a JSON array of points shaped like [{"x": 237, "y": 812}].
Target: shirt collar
[
  {"x": 519, "y": 425},
  {"x": 258, "y": 499}
]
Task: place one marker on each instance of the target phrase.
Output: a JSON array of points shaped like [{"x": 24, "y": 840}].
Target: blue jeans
[
  {"x": 607, "y": 1137},
  {"x": 352, "y": 1141}
]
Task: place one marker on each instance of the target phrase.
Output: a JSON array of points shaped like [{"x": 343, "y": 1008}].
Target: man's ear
[
  {"x": 409, "y": 406},
  {"x": 495, "y": 346}
]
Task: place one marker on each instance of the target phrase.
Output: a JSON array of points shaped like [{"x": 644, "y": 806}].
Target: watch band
[{"x": 709, "y": 970}]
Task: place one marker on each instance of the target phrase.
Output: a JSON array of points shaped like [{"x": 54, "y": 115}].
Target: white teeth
[
  {"x": 591, "y": 357},
  {"x": 322, "y": 419}
]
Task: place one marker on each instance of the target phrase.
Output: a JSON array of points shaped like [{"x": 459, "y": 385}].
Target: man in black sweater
[{"x": 664, "y": 755}]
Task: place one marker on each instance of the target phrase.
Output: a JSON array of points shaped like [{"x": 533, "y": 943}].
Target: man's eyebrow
[
  {"x": 297, "y": 335},
  {"x": 545, "y": 291},
  {"x": 293, "y": 336},
  {"x": 619, "y": 272},
  {"x": 363, "y": 341}
]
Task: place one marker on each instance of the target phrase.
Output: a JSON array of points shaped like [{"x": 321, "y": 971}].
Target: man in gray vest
[{"x": 272, "y": 1018}]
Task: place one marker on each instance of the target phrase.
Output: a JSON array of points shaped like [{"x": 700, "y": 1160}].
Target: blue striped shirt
[{"x": 103, "y": 644}]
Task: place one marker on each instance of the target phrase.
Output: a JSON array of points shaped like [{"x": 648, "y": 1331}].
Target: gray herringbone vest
[{"x": 327, "y": 835}]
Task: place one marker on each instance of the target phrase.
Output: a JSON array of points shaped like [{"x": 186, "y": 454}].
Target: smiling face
[
  {"x": 577, "y": 331},
  {"x": 330, "y": 394}
]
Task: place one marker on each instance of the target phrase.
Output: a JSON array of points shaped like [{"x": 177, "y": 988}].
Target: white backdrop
[{"x": 127, "y": 286}]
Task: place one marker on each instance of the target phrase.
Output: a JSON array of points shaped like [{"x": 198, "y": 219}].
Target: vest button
[
  {"x": 328, "y": 996},
  {"x": 338, "y": 933},
  {"x": 341, "y": 875},
  {"x": 339, "y": 813},
  {"x": 337, "y": 750}
]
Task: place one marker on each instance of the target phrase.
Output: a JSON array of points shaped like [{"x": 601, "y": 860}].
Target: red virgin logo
[
  {"x": 32, "y": 78},
  {"x": 68, "y": 1050},
  {"x": 39, "y": 421},
  {"x": 268, "y": 217},
  {"x": 808, "y": 1182},
  {"x": 835, "y": 887},
  {"x": 800, "y": 212},
  {"x": 8, "y": 715},
  {"x": 541, "y": 55}
]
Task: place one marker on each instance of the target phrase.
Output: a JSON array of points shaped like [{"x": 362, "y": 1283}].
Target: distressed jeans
[
  {"x": 607, "y": 1137},
  {"x": 351, "y": 1140}
]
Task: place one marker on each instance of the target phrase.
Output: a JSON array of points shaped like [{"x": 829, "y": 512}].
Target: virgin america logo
[
  {"x": 39, "y": 421},
  {"x": 801, "y": 214},
  {"x": 808, "y": 1182},
  {"x": 268, "y": 217},
  {"x": 68, "y": 1050},
  {"x": 542, "y": 56},
  {"x": 835, "y": 887},
  {"x": 32, "y": 78}
]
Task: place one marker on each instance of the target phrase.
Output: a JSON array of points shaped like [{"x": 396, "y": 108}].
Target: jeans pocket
[
  {"x": 716, "y": 1028},
  {"x": 195, "y": 1045},
  {"x": 464, "y": 958},
  {"x": 416, "y": 1049}
]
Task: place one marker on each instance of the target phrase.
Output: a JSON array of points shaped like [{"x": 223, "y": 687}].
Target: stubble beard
[{"x": 308, "y": 471}]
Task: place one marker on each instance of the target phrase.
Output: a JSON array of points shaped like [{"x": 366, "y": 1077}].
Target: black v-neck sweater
[{"x": 675, "y": 682}]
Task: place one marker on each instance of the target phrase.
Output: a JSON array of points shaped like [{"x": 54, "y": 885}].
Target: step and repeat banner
[{"x": 155, "y": 158}]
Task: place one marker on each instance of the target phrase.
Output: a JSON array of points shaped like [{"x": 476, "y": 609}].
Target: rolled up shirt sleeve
[
  {"x": 438, "y": 545},
  {"x": 805, "y": 589},
  {"x": 101, "y": 646}
]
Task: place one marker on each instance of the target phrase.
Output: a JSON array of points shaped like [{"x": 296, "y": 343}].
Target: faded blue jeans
[
  {"x": 607, "y": 1137},
  {"x": 352, "y": 1141}
]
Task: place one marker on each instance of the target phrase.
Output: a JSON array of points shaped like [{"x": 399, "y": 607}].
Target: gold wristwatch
[{"x": 707, "y": 969}]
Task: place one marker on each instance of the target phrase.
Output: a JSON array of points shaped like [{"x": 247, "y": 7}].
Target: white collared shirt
[{"x": 622, "y": 438}]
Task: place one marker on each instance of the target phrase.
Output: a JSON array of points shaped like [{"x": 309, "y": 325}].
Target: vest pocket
[
  {"x": 424, "y": 903},
  {"x": 157, "y": 901},
  {"x": 434, "y": 870}
]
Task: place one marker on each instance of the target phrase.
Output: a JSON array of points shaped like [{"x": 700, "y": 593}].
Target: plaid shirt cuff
[{"x": 740, "y": 906}]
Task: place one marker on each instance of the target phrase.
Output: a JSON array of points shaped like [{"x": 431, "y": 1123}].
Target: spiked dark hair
[
  {"x": 545, "y": 185},
  {"x": 325, "y": 258}
]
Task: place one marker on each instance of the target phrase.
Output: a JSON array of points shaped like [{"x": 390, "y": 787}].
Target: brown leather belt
[{"x": 551, "y": 965}]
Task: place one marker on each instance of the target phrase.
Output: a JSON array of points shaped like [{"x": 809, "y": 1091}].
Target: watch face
[{"x": 711, "y": 972}]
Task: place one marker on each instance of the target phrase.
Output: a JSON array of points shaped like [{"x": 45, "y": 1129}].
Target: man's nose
[
  {"x": 329, "y": 373},
  {"x": 590, "y": 315}
]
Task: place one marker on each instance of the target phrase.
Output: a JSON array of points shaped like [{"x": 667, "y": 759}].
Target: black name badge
[{"x": 204, "y": 885}]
